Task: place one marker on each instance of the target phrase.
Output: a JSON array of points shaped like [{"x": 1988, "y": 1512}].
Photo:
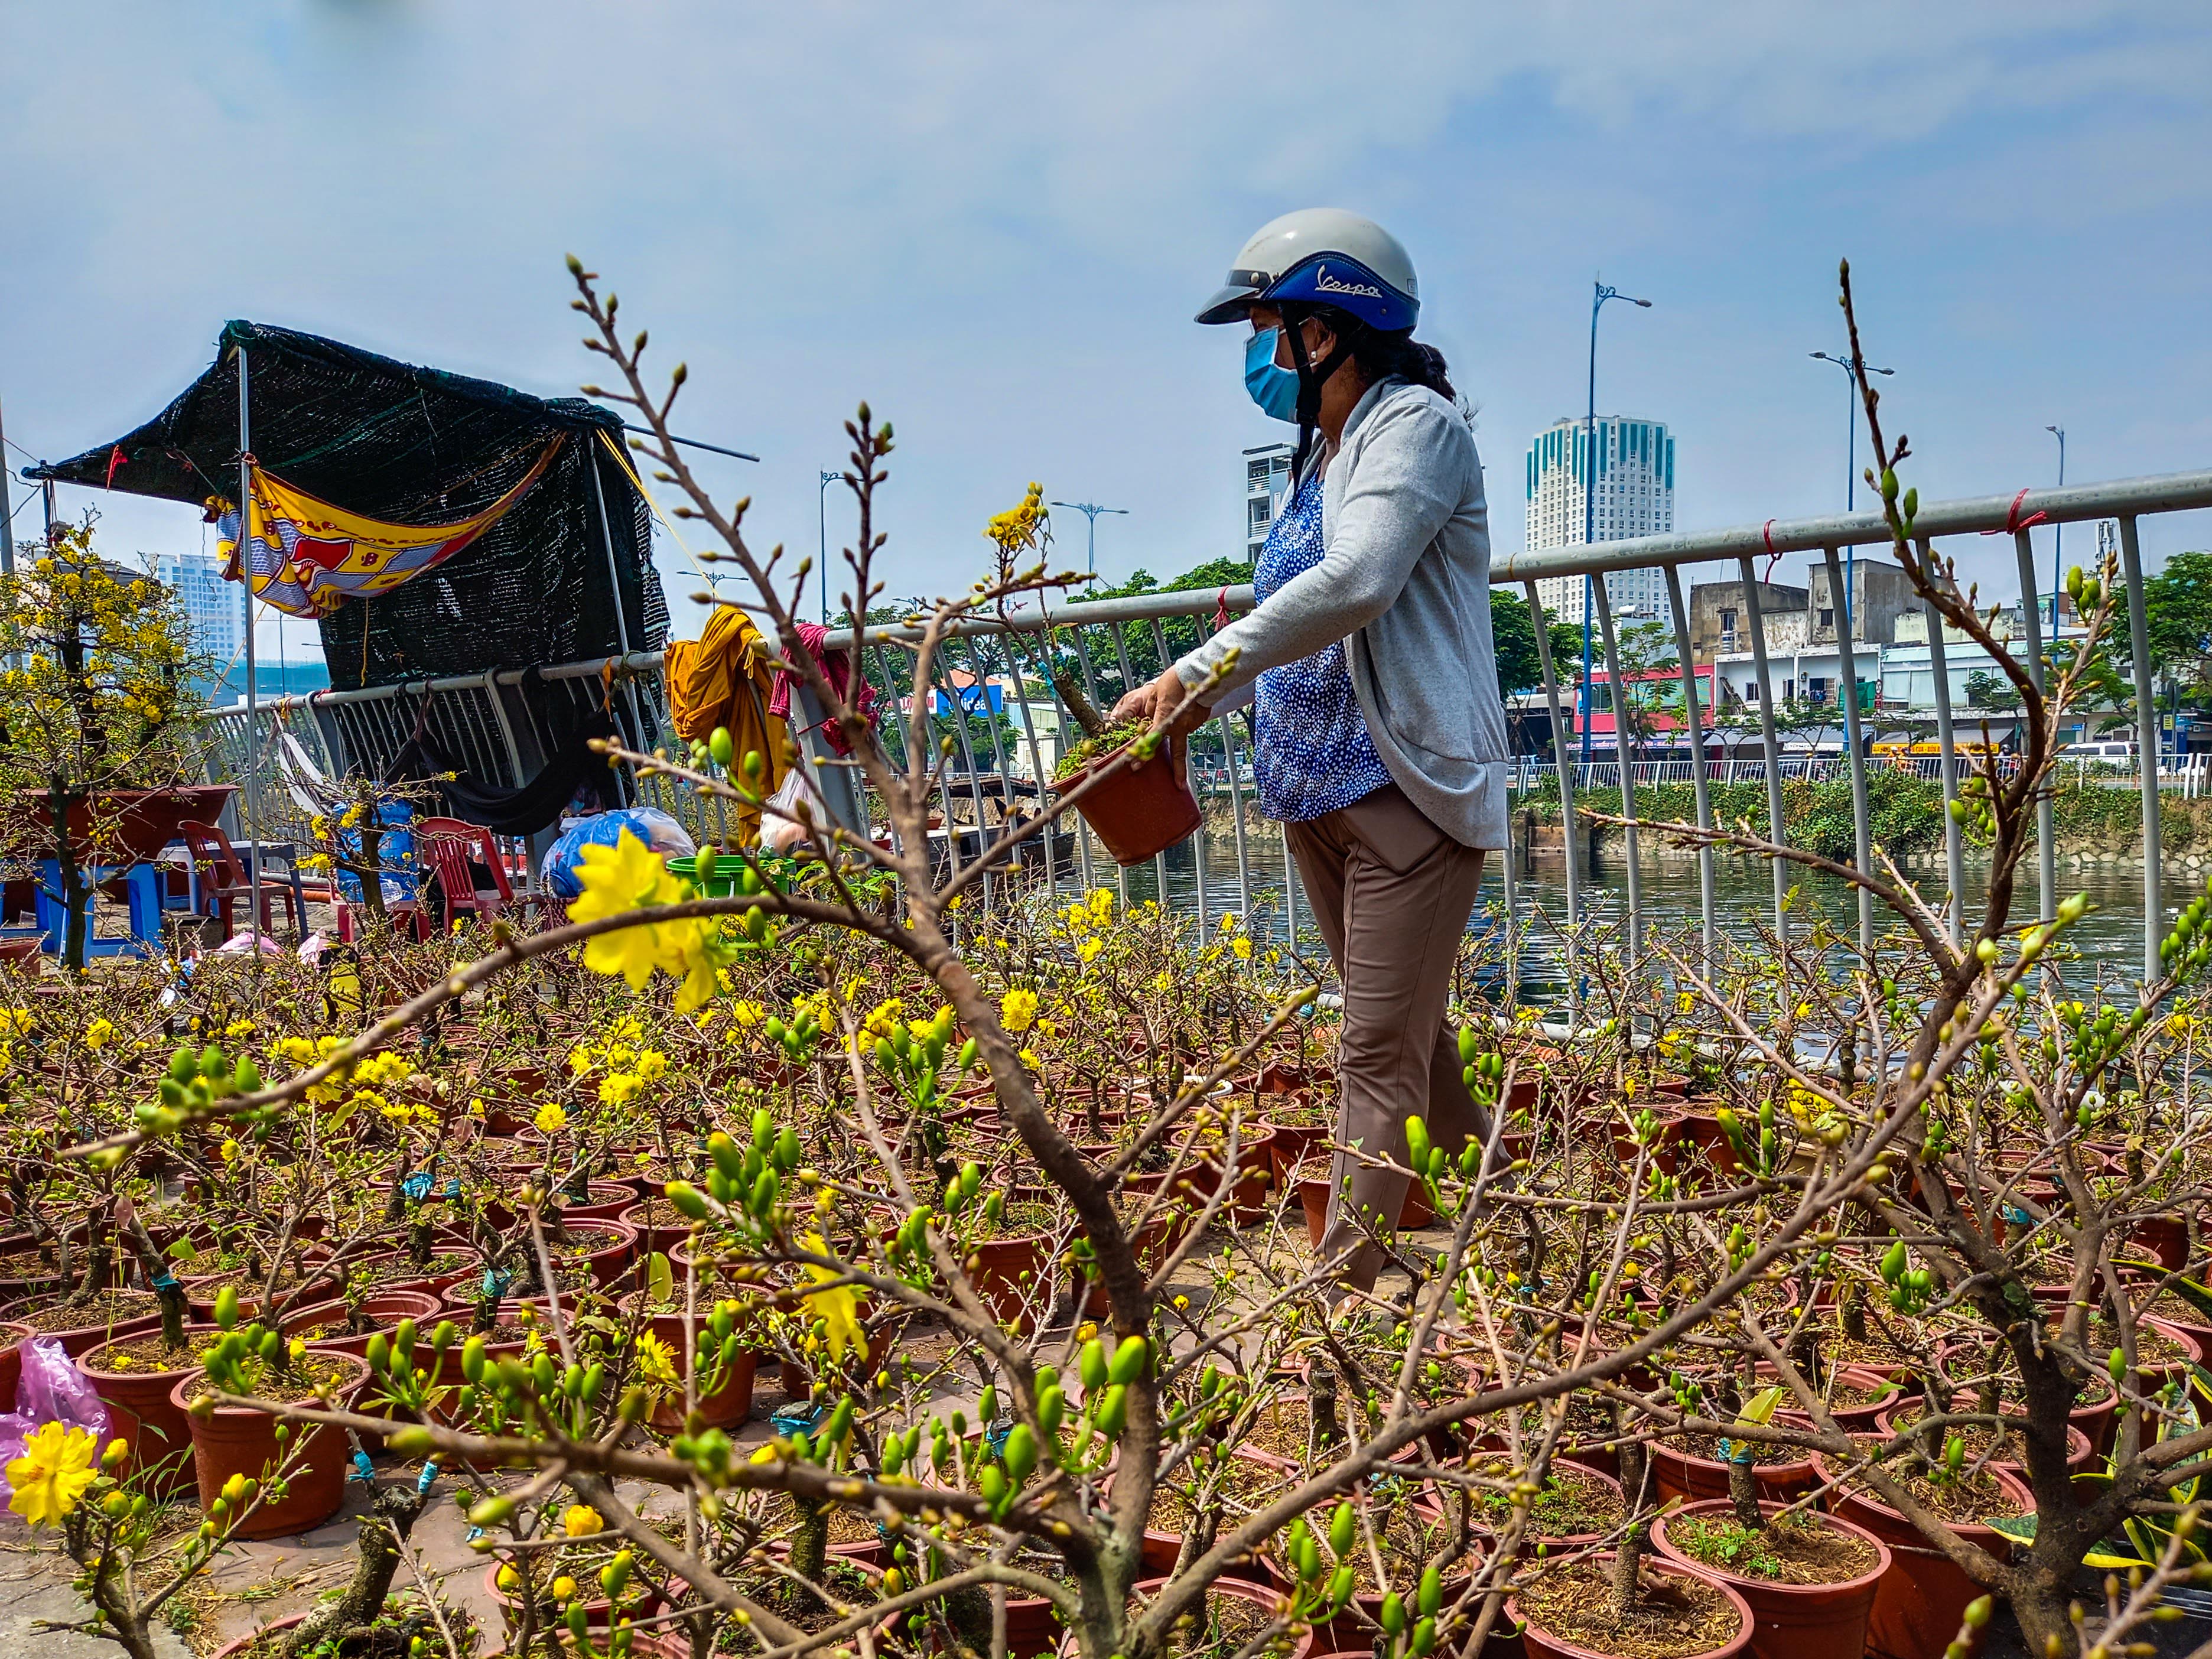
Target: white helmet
[{"x": 1322, "y": 256}]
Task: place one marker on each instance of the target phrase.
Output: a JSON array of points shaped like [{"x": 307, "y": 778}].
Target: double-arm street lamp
[{"x": 1089, "y": 510}]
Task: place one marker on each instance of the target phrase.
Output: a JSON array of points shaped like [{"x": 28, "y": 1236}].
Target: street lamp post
[
  {"x": 1091, "y": 510},
  {"x": 1856, "y": 369},
  {"x": 2058, "y": 534},
  {"x": 1600, "y": 294},
  {"x": 821, "y": 529}
]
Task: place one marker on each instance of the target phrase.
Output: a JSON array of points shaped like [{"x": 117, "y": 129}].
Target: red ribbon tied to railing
[{"x": 2014, "y": 523}]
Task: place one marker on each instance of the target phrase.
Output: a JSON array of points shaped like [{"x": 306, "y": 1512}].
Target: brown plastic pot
[
  {"x": 1313, "y": 1199},
  {"x": 76, "y": 1338},
  {"x": 1009, "y": 1275},
  {"x": 382, "y": 1312},
  {"x": 11, "y": 1362},
  {"x": 1243, "y": 1590},
  {"x": 651, "y": 1236},
  {"x": 234, "y": 1440},
  {"x": 145, "y": 1416},
  {"x": 1922, "y": 1601},
  {"x": 1792, "y": 1621},
  {"x": 1676, "y": 1473},
  {"x": 1142, "y": 810},
  {"x": 729, "y": 1405},
  {"x": 1542, "y": 1644}
]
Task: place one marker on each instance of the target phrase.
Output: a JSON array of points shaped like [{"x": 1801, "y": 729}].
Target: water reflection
[{"x": 2109, "y": 939}]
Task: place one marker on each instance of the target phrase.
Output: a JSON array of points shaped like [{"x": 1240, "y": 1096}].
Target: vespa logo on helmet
[{"x": 1325, "y": 283}]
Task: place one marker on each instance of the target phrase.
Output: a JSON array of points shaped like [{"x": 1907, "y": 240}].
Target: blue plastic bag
[
  {"x": 399, "y": 874},
  {"x": 659, "y": 831}
]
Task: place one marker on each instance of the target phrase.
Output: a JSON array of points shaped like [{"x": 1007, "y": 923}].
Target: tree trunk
[
  {"x": 75, "y": 946},
  {"x": 393, "y": 1512},
  {"x": 1069, "y": 685}
]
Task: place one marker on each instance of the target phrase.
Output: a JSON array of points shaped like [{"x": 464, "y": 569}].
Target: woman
[{"x": 1381, "y": 736}]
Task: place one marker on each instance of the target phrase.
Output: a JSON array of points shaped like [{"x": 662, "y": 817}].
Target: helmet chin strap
[{"x": 1312, "y": 377}]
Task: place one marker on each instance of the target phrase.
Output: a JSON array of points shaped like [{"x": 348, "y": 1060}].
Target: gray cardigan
[{"x": 1404, "y": 582}]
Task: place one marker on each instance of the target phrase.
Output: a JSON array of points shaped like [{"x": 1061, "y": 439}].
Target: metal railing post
[
  {"x": 1947, "y": 762},
  {"x": 2147, "y": 742},
  {"x": 1620, "y": 701},
  {"x": 1697, "y": 754},
  {"x": 1563, "y": 759},
  {"x": 1770, "y": 744},
  {"x": 2046, "y": 854},
  {"x": 1848, "y": 665}
]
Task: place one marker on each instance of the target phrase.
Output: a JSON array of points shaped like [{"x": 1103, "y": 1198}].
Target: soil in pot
[
  {"x": 1978, "y": 1438},
  {"x": 1566, "y": 1612},
  {"x": 135, "y": 1377},
  {"x": 347, "y": 1331},
  {"x": 234, "y": 1440},
  {"x": 1235, "y": 1614},
  {"x": 1919, "y": 1603},
  {"x": 1810, "y": 1580},
  {"x": 1690, "y": 1466},
  {"x": 1250, "y": 1479},
  {"x": 81, "y": 1325},
  {"x": 1576, "y": 1505}
]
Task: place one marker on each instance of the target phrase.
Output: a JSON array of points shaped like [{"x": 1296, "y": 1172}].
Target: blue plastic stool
[{"x": 143, "y": 883}]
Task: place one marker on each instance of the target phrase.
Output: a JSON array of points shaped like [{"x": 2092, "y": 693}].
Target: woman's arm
[{"x": 1413, "y": 475}]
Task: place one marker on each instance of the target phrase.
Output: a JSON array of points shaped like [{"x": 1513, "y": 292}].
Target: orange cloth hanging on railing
[{"x": 723, "y": 678}]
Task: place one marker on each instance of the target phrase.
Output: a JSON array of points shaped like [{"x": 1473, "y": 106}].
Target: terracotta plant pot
[
  {"x": 1921, "y": 1600},
  {"x": 651, "y": 1236},
  {"x": 233, "y": 1440},
  {"x": 119, "y": 826},
  {"x": 1009, "y": 1274},
  {"x": 729, "y": 1405},
  {"x": 1142, "y": 810},
  {"x": 382, "y": 1314},
  {"x": 145, "y": 1415},
  {"x": 11, "y": 1363},
  {"x": 1261, "y": 1595},
  {"x": 76, "y": 1338},
  {"x": 1542, "y": 1644},
  {"x": 1676, "y": 1473},
  {"x": 1792, "y": 1621}
]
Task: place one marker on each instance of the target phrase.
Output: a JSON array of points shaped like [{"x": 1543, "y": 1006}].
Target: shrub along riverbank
[{"x": 1906, "y": 814}]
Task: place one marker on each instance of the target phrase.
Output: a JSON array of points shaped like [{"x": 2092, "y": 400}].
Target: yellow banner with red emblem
[{"x": 308, "y": 558}]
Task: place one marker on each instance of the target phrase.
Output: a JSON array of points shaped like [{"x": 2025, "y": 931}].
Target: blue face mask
[{"x": 1274, "y": 389}]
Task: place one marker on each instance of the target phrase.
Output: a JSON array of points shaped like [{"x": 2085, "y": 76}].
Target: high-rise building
[
  {"x": 212, "y": 605},
  {"x": 1267, "y": 476},
  {"x": 1635, "y": 497}
]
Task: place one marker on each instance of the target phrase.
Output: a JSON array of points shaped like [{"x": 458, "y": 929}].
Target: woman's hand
[{"x": 1154, "y": 703}]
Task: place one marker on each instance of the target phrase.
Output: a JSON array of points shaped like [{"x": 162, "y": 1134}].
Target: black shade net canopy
[{"x": 415, "y": 445}]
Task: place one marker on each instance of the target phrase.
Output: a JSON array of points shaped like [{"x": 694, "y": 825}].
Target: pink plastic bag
[{"x": 52, "y": 1390}]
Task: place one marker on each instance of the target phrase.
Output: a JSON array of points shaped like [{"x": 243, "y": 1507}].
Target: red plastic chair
[
  {"x": 454, "y": 850},
  {"x": 223, "y": 880}
]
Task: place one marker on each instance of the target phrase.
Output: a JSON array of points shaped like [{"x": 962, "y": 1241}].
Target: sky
[{"x": 993, "y": 222}]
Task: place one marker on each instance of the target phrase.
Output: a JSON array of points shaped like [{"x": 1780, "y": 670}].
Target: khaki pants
[{"x": 1392, "y": 894}]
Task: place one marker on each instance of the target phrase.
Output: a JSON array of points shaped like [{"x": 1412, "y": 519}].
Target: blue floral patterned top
[{"x": 1314, "y": 754}]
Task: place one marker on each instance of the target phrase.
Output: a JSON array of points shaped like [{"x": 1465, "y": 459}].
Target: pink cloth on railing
[{"x": 835, "y": 669}]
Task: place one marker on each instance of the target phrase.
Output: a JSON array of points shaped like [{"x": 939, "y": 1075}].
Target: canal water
[{"x": 2110, "y": 938}]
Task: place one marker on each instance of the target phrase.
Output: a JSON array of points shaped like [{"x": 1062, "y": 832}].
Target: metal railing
[{"x": 1002, "y": 754}]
